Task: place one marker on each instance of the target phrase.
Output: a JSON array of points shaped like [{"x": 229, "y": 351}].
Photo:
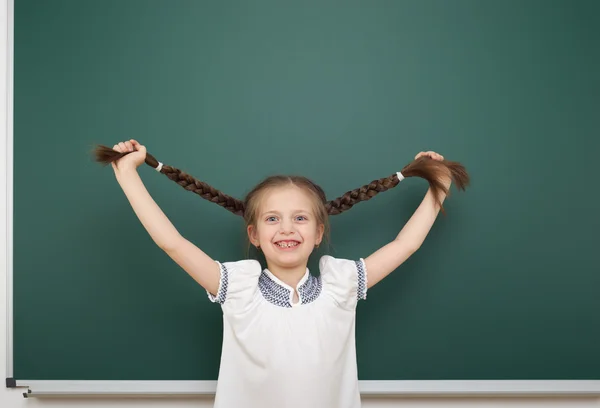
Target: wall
[{"x": 10, "y": 398}]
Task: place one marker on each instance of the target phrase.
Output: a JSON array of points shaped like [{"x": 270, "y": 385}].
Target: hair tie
[
  {"x": 400, "y": 176},
  {"x": 159, "y": 167}
]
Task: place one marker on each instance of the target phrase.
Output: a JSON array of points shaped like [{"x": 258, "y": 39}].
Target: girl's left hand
[
  {"x": 433, "y": 155},
  {"x": 447, "y": 178}
]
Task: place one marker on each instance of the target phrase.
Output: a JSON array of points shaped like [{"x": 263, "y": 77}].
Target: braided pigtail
[
  {"x": 434, "y": 171},
  {"x": 107, "y": 155}
]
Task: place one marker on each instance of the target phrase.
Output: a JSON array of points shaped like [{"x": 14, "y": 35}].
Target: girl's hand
[
  {"x": 447, "y": 177},
  {"x": 132, "y": 160},
  {"x": 433, "y": 155}
]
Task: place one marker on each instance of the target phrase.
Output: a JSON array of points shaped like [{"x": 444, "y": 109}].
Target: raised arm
[
  {"x": 386, "y": 259},
  {"x": 194, "y": 261}
]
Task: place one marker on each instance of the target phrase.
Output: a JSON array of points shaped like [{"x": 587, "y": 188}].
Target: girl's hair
[{"x": 431, "y": 170}]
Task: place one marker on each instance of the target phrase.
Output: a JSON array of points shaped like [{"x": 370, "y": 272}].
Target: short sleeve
[
  {"x": 343, "y": 279},
  {"x": 238, "y": 284}
]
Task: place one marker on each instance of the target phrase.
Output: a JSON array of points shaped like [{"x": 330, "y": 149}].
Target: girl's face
[{"x": 286, "y": 227}]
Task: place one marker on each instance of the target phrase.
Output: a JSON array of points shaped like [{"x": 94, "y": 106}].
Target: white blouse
[{"x": 279, "y": 354}]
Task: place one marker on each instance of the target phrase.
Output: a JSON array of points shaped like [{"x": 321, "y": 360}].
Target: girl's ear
[
  {"x": 252, "y": 235},
  {"x": 320, "y": 231}
]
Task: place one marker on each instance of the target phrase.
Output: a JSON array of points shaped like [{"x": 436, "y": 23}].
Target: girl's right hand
[{"x": 132, "y": 160}]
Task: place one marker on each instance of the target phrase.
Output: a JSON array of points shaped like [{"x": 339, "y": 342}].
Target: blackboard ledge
[{"x": 401, "y": 388}]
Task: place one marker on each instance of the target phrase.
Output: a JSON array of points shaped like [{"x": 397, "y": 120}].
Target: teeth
[{"x": 287, "y": 244}]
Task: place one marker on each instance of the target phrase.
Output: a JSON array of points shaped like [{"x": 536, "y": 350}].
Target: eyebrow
[{"x": 277, "y": 212}]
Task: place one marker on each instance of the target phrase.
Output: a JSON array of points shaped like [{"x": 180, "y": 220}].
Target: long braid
[
  {"x": 431, "y": 170},
  {"x": 106, "y": 155},
  {"x": 364, "y": 193}
]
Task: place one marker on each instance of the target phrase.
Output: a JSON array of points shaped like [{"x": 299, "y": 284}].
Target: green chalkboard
[{"x": 504, "y": 287}]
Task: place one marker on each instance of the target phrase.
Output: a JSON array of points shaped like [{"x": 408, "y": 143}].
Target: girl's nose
[{"x": 286, "y": 228}]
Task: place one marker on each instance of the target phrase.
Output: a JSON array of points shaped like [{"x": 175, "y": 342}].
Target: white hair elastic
[
  {"x": 400, "y": 176},
  {"x": 159, "y": 166}
]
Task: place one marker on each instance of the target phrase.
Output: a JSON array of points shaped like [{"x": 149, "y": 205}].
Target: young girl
[{"x": 288, "y": 336}]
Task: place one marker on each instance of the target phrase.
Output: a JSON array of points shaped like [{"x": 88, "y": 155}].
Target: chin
[
  {"x": 289, "y": 256},
  {"x": 289, "y": 259}
]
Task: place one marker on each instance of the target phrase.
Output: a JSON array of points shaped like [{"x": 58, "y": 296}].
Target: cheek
[
  {"x": 265, "y": 233},
  {"x": 309, "y": 232}
]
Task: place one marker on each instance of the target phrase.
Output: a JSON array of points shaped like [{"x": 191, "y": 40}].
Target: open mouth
[{"x": 287, "y": 245}]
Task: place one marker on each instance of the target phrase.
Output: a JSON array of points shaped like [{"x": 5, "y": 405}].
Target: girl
[{"x": 288, "y": 336}]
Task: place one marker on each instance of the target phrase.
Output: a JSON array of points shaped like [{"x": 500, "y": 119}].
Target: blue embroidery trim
[
  {"x": 278, "y": 295},
  {"x": 310, "y": 290},
  {"x": 222, "y": 293},
  {"x": 361, "y": 291},
  {"x": 273, "y": 292}
]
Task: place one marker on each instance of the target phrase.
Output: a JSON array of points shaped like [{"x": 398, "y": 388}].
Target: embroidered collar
[{"x": 281, "y": 294}]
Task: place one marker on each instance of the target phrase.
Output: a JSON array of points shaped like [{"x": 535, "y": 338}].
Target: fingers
[
  {"x": 431, "y": 154},
  {"x": 127, "y": 146},
  {"x": 137, "y": 145}
]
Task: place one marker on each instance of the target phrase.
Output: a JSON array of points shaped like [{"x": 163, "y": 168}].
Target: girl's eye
[
  {"x": 301, "y": 218},
  {"x": 273, "y": 218}
]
